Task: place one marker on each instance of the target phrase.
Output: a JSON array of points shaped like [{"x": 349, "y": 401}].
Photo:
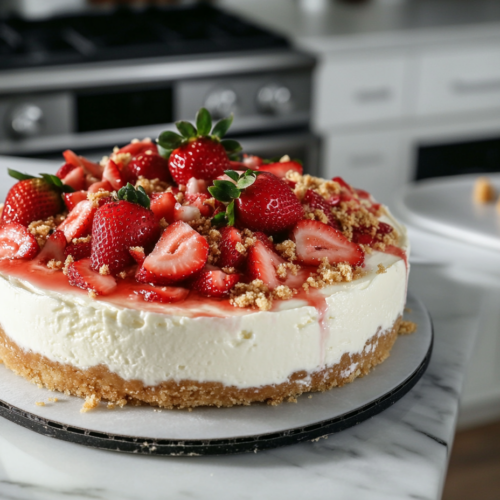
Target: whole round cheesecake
[{"x": 177, "y": 277}]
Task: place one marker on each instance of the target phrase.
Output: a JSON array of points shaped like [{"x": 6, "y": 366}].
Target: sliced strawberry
[
  {"x": 64, "y": 170},
  {"x": 163, "y": 206},
  {"x": 198, "y": 200},
  {"x": 72, "y": 199},
  {"x": 113, "y": 176},
  {"x": 54, "y": 248},
  {"x": 262, "y": 237},
  {"x": 268, "y": 205},
  {"x": 317, "y": 202},
  {"x": 79, "y": 161},
  {"x": 334, "y": 200},
  {"x": 252, "y": 161},
  {"x": 149, "y": 166},
  {"x": 362, "y": 238},
  {"x": 179, "y": 253},
  {"x": 80, "y": 250},
  {"x": 280, "y": 169},
  {"x": 364, "y": 195},
  {"x": 138, "y": 254},
  {"x": 343, "y": 183},
  {"x": 262, "y": 264},
  {"x": 195, "y": 186},
  {"x": 139, "y": 147},
  {"x": 16, "y": 242},
  {"x": 212, "y": 282},
  {"x": 316, "y": 240},
  {"x": 75, "y": 179},
  {"x": 186, "y": 213},
  {"x": 78, "y": 223},
  {"x": 164, "y": 294},
  {"x": 101, "y": 185},
  {"x": 81, "y": 274},
  {"x": 229, "y": 255},
  {"x": 384, "y": 228}
]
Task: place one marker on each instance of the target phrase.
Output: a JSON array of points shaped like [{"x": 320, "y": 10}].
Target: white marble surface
[{"x": 399, "y": 454}]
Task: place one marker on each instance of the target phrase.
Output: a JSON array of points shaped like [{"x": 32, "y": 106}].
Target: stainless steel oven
[{"x": 92, "y": 81}]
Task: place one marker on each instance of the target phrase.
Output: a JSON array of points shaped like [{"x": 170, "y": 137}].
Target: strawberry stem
[
  {"x": 53, "y": 180},
  {"x": 133, "y": 195}
]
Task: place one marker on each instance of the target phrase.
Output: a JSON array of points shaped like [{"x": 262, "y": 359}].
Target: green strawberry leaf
[
  {"x": 219, "y": 219},
  {"x": 18, "y": 175},
  {"x": 169, "y": 140},
  {"x": 246, "y": 181},
  {"x": 231, "y": 146},
  {"x": 186, "y": 129},
  {"x": 222, "y": 126},
  {"x": 165, "y": 153},
  {"x": 203, "y": 122},
  {"x": 229, "y": 188},
  {"x": 219, "y": 194},
  {"x": 231, "y": 216},
  {"x": 138, "y": 196},
  {"x": 232, "y": 174}
]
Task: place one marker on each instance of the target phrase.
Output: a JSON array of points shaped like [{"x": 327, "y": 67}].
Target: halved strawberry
[
  {"x": 101, "y": 185},
  {"x": 212, "y": 282},
  {"x": 113, "y": 175},
  {"x": 384, "y": 228},
  {"x": 139, "y": 147},
  {"x": 229, "y": 256},
  {"x": 64, "y": 170},
  {"x": 316, "y": 240},
  {"x": 72, "y": 199},
  {"x": 280, "y": 169},
  {"x": 164, "y": 294},
  {"x": 78, "y": 223},
  {"x": 198, "y": 200},
  {"x": 79, "y": 161},
  {"x": 138, "y": 254},
  {"x": 80, "y": 250},
  {"x": 163, "y": 206},
  {"x": 53, "y": 248},
  {"x": 262, "y": 237},
  {"x": 262, "y": 264},
  {"x": 179, "y": 253},
  {"x": 81, "y": 274},
  {"x": 252, "y": 161},
  {"x": 75, "y": 179},
  {"x": 16, "y": 242},
  {"x": 343, "y": 184},
  {"x": 195, "y": 186},
  {"x": 316, "y": 202}
]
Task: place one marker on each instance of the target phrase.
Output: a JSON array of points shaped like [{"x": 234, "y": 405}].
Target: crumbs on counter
[
  {"x": 407, "y": 327},
  {"x": 39, "y": 403},
  {"x": 483, "y": 191},
  {"x": 90, "y": 403}
]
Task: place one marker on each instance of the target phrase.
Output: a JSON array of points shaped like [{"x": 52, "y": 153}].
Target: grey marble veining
[{"x": 399, "y": 454}]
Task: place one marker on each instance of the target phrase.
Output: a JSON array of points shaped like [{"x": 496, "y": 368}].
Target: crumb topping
[
  {"x": 329, "y": 274},
  {"x": 152, "y": 185},
  {"x": 94, "y": 198},
  {"x": 42, "y": 229},
  {"x": 85, "y": 239},
  {"x": 104, "y": 270},
  {"x": 91, "y": 402},
  {"x": 69, "y": 260}
]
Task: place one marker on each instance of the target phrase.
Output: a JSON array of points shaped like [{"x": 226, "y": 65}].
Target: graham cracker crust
[{"x": 99, "y": 383}]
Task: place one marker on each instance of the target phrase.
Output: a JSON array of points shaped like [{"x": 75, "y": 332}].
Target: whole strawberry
[
  {"x": 150, "y": 166},
  {"x": 199, "y": 151},
  {"x": 33, "y": 198},
  {"x": 119, "y": 225},
  {"x": 268, "y": 205}
]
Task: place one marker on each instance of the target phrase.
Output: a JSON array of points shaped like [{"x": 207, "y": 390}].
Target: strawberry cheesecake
[{"x": 181, "y": 274}]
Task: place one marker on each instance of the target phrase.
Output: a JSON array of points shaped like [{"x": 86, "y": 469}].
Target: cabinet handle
[
  {"x": 373, "y": 95},
  {"x": 476, "y": 87}
]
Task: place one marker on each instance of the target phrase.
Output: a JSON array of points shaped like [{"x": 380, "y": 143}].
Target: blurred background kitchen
[{"x": 384, "y": 93}]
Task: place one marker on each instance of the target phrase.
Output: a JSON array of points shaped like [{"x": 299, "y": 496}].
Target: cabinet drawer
[
  {"x": 459, "y": 81},
  {"x": 367, "y": 161},
  {"x": 364, "y": 90}
]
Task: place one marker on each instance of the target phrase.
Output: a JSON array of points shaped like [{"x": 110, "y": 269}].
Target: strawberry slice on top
[
  {"x": 179, "y": 253},
  {"x": 16, "y": 242},
  {"x": 262, "y": 263},
  {"x": 82, "y": 275},
  {"x": 199, "y": 151},
  {"x": 280, "y": 168},
  {"x": 315, "y": 241},
  {"x": 213, "y": 282},
  {"x": 78, "y": 223}
]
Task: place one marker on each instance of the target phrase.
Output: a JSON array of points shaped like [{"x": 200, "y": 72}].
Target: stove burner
[{"x": 128, "y": 34}]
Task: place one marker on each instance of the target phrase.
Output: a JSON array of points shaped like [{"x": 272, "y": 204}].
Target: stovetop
[{"x": 128, "y": 34}]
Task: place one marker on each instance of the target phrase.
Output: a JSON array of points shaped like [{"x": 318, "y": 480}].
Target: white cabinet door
[
  {"x": 368, "y": 161},
  {"x": 459, "y": 80},
  {"x": 359, "y": 90}
]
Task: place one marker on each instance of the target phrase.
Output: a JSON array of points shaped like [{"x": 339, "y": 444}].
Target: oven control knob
[
  {"x": 26, "y": 120},
  {"x": 275, "y": 99},
  {"x": 221, "y": 103}
]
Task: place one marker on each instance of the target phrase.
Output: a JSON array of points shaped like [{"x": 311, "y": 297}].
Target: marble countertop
[{"x": 399, "y": 454}]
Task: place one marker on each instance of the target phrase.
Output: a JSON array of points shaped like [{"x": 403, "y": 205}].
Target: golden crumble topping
[
  {"x": 42, "y": 229},
  {"x": 152, "y": 185},
  {"x": 483, "y": 191},
  {"x": 94, "y": 198},
  {"x": 287, "y": 249},
  {"x": 55, "y": 265},
  {"x": 69, "y": 260},
  {"x": 104, "y": 270},
  {"x": 85, "y": 239},
  {"x": 255, "y": 295},
  {"x": 329, "y": 274}
]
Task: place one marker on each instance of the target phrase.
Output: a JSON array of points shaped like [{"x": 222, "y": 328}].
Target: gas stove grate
[{"x": 128, "y": 34}]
